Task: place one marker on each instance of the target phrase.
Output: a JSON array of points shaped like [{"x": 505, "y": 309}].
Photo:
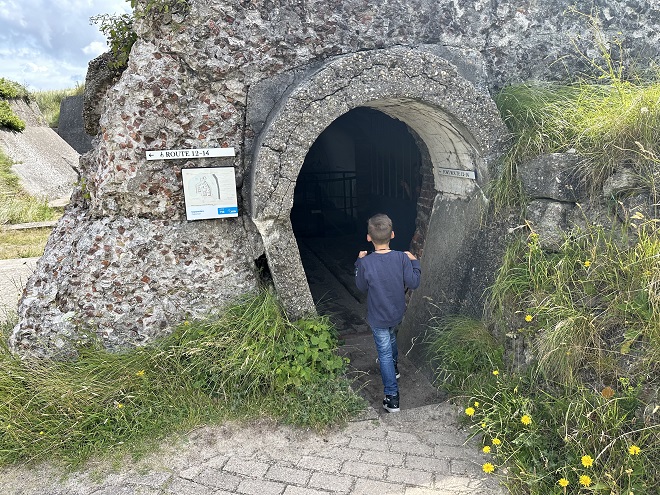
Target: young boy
[{"x": 385, "y": 274}]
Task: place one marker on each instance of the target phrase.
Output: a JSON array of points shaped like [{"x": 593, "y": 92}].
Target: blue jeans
[{"x": 385, "y": 339}]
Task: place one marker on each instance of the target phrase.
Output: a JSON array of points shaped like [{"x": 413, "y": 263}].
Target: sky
[{"x": 47, "y": 44}]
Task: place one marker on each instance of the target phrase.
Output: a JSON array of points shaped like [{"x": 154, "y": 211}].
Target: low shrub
[{"x": 9, "y": 119}]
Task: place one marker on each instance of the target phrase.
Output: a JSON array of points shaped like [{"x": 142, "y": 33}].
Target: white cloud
[
  {"x": 95, "y": 48},
  {"x": 45, "y": 43}
]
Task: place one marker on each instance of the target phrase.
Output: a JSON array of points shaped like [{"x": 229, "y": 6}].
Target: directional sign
[
  {"x": 189, "y": 154},
  {"x": 464, "y": 174}
]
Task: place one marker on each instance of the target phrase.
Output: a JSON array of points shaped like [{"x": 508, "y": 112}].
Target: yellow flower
[
  {"x": 486, "y": 449},
  {"x": 119, "y": 405},
  {"x": 563, "y": 482},
  {"x": 528, "y": 318},
  {"x": 483, "y": 425},
  {"x": 497, "y": 441},
  {"x": 634, "y": 450},
  {"x": 587, "y": 263},
  {"x": 41, "y": 433},
  {"x": 476, "y": 404},
  {"x": 140, "y": 373},
  {"x": 469, "y": 411},
  {"x": 585, "y": 480},
  {"x": 488, "y": 467},
  {"x": 526, "y": 420},
  {"x": 587, "y": 461},
  {"x": 496, "y": 372}
]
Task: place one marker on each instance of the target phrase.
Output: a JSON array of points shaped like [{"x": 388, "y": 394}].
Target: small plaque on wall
[{"x": 210, "y": 193}]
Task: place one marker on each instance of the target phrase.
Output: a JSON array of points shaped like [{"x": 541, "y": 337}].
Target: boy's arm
[
  {"x": 360, "y": 280},
  {"x": 412, "y": 272}
]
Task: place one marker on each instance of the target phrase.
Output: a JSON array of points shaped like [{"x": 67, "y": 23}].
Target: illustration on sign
[{"x": 210, "y": 193}]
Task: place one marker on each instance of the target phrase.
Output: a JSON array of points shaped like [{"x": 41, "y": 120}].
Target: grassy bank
[
  {"x": 560, "y": 380},
  {"x": 246, "y": 362}
]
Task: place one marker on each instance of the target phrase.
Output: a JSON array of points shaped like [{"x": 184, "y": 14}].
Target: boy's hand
[
  {"x": 410, "y": 255},
  {"x": 362, "y": 254}
]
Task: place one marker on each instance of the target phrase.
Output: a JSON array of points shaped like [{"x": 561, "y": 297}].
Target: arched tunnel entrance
[
  {"x": 364, "y": 163},
  {"x": 400, "y": 131}
]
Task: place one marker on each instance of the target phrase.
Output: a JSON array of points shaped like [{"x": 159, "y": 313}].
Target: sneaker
[{"x": 391, "y": 403}]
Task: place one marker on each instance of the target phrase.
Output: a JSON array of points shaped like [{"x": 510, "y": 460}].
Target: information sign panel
[{"x": 210, "y": 193}]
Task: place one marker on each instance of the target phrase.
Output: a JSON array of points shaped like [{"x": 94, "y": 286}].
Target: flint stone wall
[{"x": 126, "y": 264}]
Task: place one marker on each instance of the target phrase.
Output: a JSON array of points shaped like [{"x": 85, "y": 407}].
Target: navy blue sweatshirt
[{"x": 385, "y": 277}]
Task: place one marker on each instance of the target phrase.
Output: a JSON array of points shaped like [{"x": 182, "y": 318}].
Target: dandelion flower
[
  {"x": 496, "y": 372},
  {"x": 476, "y": 404},
  {"x": 563, "y": 482},
  {"x": 486, "y": 449},
  {"x": 140, "y": 373},
  {"x": 587, "y": 461},
  {"x": 634, "y": 450},
  {"x": 528, "y": 318},
  {"x": 497, "y": 441},
  {"x": 470, "y": 411},
  {"x": 41, "y": 433},
  {"x": 587, "y": 263},
  {"x": 483, "y": 425},
  {"x": 585, "y": 480},
  {"x": 119, "y": 405},
  {"x": 526, "y": 420},
  {"x": 607, "y": 392},
  {"x": 488, "y": 467}
]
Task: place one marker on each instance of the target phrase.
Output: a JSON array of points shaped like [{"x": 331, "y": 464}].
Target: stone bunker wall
[{"x": 125, "y": 264}]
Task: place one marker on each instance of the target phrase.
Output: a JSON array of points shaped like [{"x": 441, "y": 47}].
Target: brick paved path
[{"x": 415, "y": 452}]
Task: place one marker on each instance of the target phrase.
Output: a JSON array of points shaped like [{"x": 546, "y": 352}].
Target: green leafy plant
[{"x": 121, "y": 36}]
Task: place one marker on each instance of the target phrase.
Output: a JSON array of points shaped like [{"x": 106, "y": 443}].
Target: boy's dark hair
[{"x": 379, "y": 228}]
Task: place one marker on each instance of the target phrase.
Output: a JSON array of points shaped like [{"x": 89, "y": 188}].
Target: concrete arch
[{"x": 458, "y": 124}]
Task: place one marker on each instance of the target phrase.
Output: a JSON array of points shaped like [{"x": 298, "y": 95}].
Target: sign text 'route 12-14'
[{"x": 189, "y": 154}]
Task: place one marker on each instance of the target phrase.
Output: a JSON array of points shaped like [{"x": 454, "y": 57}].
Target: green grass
[
  {"x": 16, "y": 206},
  {"x": 49, "y": 102},
  {"x": 593, "y": 306},
  {"x": 29, "y": 243},
  {"x": 460, "y": 348},
  {"x": 605, "y": 124},
  {"x": 246, "y": 362}
]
